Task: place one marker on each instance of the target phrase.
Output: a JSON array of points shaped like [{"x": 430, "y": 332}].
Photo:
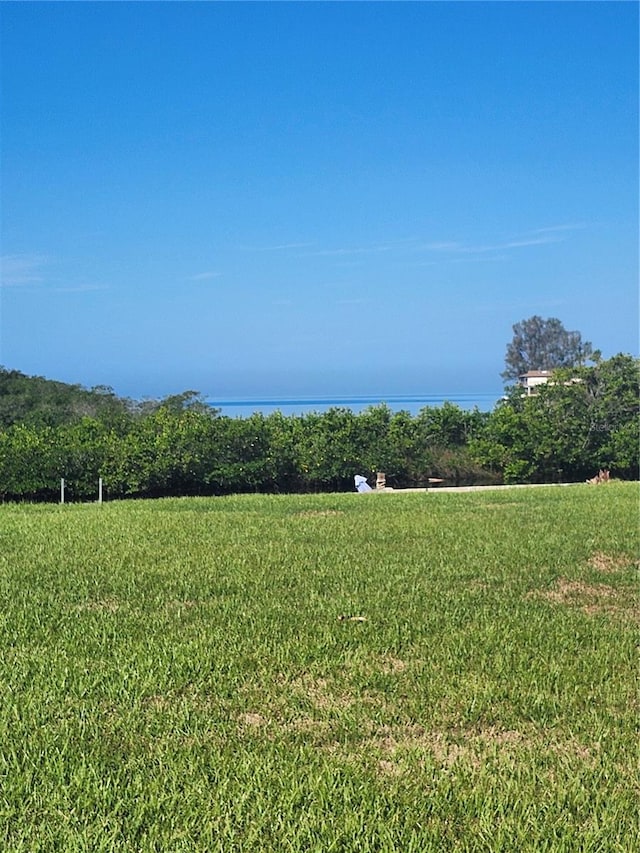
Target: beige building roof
[{"x": 532, "y": 374}]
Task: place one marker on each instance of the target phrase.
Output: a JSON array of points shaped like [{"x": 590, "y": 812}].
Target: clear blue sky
[{"x": 313, "y": 198}]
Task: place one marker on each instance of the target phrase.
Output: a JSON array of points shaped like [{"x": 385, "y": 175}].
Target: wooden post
[{"x": 381, "y": 481}]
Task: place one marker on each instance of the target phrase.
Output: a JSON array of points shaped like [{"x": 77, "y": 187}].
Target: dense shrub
[{"x": 584, "y": 420}]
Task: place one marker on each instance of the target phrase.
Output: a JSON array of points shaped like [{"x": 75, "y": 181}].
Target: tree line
[{"x": 585, "y": 419}]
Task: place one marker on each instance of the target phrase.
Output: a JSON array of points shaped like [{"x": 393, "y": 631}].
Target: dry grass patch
[
  {"x": 179, "y": 606},
  {"x": 304, "y": 703},
  {"x": 478, "y": 586},
  {"x": 390, "y": 665},
  {"x": 310, "y": 705},
  {"x": 397, "y": 750},
  {"x": 593, "y": 599},
  {"x": 577, "y": 592},
  {"x": 317, "y": 731},
  {"x": 318, "y": 513},
  {"x": 389, "y": 768},
  {"x": 160, "y": 703},
  {"x": 187, "y": 699},
  {"x": 251, "y": 720},
  {"x": 319, "y": 693},
  {"x": 608, "y": 564},
  {"x": 446, "y": 748},
  {"x": 396, "y": 743}
]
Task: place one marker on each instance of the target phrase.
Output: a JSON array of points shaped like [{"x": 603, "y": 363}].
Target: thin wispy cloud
[
  {"x": 33, "y": 271},
  {"x": 510, "y": 244},
  {"x": 570, "y": 226},
  {"x": 20, "y": 270},
  {"x": 453, "y": 248},
  {"x": 536, "y": 237},
  {"x": 456, "y": 251}
]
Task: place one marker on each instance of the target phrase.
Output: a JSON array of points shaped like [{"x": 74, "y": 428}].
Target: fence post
[
  {"x": 62, "y": 490},
  {"x": 100, "y": 490}
]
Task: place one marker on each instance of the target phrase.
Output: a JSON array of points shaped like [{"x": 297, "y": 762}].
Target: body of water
[{"x": 243, "y": 407}]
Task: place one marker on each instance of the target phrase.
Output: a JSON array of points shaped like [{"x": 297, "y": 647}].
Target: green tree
[
  {"x": 168, "y": 452},
  {"x": 330, "y": 450},
  {"x": 38, "y": 401},
  {"x": 540, "y": 344},
  {"x": 608, "y": 394},
  {"x": 82, "y": 451},
  {"x": 30, "y": 464},
  {"x": 284, "y": 462},
  {"x": 242, "y": 463},
  {"x": 582, "y": 420},
  {"x": 441, "y": 450}
]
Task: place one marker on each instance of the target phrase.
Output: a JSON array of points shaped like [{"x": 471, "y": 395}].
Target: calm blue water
[{"x": 303, "y": 405}]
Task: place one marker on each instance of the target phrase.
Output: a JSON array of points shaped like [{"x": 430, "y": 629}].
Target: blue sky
[{"x": 263, "y": 199}]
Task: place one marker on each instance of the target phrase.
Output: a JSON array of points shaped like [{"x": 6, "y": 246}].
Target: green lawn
[{"x": 188, "y": 675}]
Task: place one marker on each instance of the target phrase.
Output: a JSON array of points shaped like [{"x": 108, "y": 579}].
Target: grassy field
[{"x": 415, "y": 672}]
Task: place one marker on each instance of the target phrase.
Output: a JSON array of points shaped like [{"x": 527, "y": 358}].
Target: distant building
[{"x": 532, "y": 379}]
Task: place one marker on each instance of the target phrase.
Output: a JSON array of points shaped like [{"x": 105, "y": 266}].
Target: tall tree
[
  {"x": 586, "y": 419},
  {"x": 540, "y": 344}
]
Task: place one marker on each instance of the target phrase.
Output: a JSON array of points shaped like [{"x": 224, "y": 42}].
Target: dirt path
[{"x": 434, "y": 489}]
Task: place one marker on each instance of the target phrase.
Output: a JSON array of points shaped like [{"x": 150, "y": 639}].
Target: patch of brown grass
[
  {"x": 608, "y": 564},
  {"x": 159, "y": 702},
  {"x": 396, "y": 742},
  {"x": 593, "y": 599},
  {"x": 301, "y": 703},
  {"x": 251, "y": 720},
  {"x": 577, "y": 592},
  {"x": 445, "y": 748},
  {"x": 388, "y": 768},
  {"x": 318, "y": 693},
  {"x": 391, "y": 665},
  {"x": 309, "y": 707},
  {"x": 187, "y": 604},
  {"x": 478, "y": 586},
  {"x": 318, "y": 513},
  {"x": 397, "y": 748}
]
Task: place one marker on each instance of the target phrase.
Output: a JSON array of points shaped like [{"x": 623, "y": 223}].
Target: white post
[
  {"x": 62, "y": 490},
  {"x": 100, "y": 490}
]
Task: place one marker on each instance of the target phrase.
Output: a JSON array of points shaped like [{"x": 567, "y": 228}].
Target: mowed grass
[{"x": 417, "y": 672}]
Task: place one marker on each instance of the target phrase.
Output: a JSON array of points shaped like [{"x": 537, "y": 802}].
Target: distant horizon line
[{"x": 359, "y": 399}]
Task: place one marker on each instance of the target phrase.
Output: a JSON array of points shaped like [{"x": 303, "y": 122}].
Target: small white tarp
[{"x": 361, "y": 484}]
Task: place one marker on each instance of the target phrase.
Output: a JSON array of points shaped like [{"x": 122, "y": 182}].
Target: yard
[{"x": 398, "y": 672}]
